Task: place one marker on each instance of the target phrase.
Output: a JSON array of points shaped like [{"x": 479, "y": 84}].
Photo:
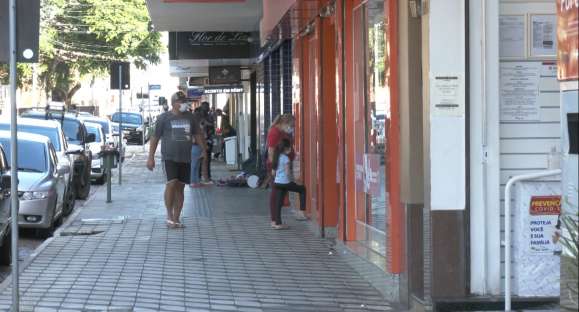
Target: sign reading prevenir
[
  {"x": 544, "y": 212},
  {"x": 211, "y": 45}
]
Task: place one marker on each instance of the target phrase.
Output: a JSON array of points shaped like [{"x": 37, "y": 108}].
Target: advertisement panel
[{"x": 568, "y": 39}]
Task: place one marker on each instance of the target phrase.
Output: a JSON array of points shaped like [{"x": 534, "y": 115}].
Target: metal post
[
  {"x": 143, "y": 118},
  {"x": 14, "y": 201},
  {"x": 510, "y": 183},
  {"x": 120, "y": 121},
  {"x": 108, "y": 165}
]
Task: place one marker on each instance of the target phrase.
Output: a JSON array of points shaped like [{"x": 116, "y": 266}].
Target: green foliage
[
  {"x": 82, "y": 37},
  {"x": 23, "y": 74}
]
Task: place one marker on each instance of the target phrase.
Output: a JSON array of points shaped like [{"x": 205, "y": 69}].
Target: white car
[
  {"x": 98, "y": 166},
  {"x": 111, "y": 130}
]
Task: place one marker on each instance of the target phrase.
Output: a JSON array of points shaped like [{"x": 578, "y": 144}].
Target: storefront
[{"x": 347, "y": 137}]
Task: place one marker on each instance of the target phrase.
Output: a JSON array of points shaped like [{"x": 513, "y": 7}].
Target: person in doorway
[
  {"x": 176, "y": 129},
  {"x": 283, "y": 181},
  {"x": 196, "y": 156},
  {"x": 281, "y": 128},
  {"x": 208, "y": 125}
]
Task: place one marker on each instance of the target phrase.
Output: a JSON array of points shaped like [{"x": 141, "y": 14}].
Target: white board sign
[
  {"x": 447, "y": 95},
  {"x": 543, "y": 35},
  {"x": 512, "y": 36},
  {"x": 520, "y": 91}
]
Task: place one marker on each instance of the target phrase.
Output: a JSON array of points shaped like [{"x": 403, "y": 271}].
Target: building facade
[{"x": 411, "y": 117}]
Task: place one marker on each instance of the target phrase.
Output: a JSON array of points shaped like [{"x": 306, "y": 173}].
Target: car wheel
[
  {"x": 69, "y": 202},
  {"x": 48, "y": 232},
  {"x": 6, "y": 250},
  {"x": 102, "y": 179},
  {"x": 84, "y": 187}
]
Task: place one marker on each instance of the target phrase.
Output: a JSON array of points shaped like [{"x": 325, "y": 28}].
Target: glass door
[{"x": 371, "y": 112}]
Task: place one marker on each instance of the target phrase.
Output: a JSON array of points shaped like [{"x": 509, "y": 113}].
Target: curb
[{"x": 71, "y": 219}]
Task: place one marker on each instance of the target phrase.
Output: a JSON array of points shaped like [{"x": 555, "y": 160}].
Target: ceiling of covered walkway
[{"x": 205, "y": 15}]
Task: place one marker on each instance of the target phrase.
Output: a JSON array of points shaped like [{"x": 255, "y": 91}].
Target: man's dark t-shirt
[{"x": 176, "y": 133}]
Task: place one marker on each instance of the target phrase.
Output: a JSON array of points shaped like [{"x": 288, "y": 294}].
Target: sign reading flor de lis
[
  {"x": 207, "y": 38},
  {"x": 212, "y": 45}
]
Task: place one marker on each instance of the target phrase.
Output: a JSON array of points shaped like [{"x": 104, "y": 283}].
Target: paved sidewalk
[{"x": 226, "y": 258}]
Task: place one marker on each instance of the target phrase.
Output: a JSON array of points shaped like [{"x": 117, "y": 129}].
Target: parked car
[
  {"x": 98, "y": 166},
  {"x": 111, "y": 132},
  {"x": 5, "y": 220},
  {"x": 53, "y": 130},
  {"x": 134, "y": 126},
  {"x": 41, "y": 182},
  {"x": 78, "y": 139}
]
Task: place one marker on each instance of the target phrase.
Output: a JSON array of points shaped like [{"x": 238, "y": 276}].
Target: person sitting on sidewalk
[
  {"x": 176, "y": 129},
  {"x": 283, "y": 182}
]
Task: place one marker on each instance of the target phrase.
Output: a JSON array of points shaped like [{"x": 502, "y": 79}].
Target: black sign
[
  {"x": 223, "y": 75},
  {"x": 212, "y": 45},
  {"x": 27, "y": 29},
  {"x": 126, "y": 75},
  {"x": 223, "y": 89}
]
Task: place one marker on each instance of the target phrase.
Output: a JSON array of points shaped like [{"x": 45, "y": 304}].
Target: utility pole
[
  {"x": 121, "y": 132},
  {"x": 14, "y": 200}
]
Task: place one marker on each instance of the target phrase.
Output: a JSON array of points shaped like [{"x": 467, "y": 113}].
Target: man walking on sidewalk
[{"x": 176, "y": 129}]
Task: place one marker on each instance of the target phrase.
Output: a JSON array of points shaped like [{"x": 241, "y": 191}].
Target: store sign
[
  {"x": 544, "y": 212},
  {"x": 195, "y": 93},
  {"x": 154, "y": 87},
  {"x": 217, "y": 90},
  {"x": 568, "y": 39},
  {"x": 211, "y": 45},
  {"x": 224, "y": 75}
]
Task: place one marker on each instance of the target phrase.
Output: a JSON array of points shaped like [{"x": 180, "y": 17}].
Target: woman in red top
[{"x": 281, "y": 128}]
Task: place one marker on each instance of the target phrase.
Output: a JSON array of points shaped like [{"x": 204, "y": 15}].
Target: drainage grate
[
  {"x": 81, "y": 233},
  {"x": 98, "y": 221}
]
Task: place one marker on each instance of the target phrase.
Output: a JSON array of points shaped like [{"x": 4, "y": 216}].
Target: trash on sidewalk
[{"x": 240, "y": 180}]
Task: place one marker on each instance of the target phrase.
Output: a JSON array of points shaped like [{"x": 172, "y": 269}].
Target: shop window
[{"x": 372, "y": 112}]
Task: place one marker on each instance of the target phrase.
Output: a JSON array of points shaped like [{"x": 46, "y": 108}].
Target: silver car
[
  {"x": 41, "y": 182},
  {"x": 98, "y": 165},
  {"x": 53, "y": 130},
  {"x": 5, "y": 238}
]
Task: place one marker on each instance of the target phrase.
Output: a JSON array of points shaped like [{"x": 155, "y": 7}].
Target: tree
[{"x": 82, "y": 37}]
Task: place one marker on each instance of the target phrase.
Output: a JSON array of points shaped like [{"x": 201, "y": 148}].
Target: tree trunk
[{"x": 70, "y": 94}]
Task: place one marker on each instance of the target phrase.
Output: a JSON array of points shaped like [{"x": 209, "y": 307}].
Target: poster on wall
[
  {"x": 372, "y": 174},
  {"x": 447, "y": 95},
  {"x": 544, "y": 212},
  {"x": 543, "y": 35},
  {"x": 567, "y": 39},
  {"x": 512, "y": 36},
  {"x": 519, "y": 94}
]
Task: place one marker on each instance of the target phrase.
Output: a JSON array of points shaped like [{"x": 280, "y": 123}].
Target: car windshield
[
  {"x": 95, "y": 131},
  {"x": 31, "y": 155},
  {"x": 104, "y": 125},
  {"x": 128, "y": 118},
  {"x": 51, "y": 133},
  {"x": 72, "y": 131}
]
